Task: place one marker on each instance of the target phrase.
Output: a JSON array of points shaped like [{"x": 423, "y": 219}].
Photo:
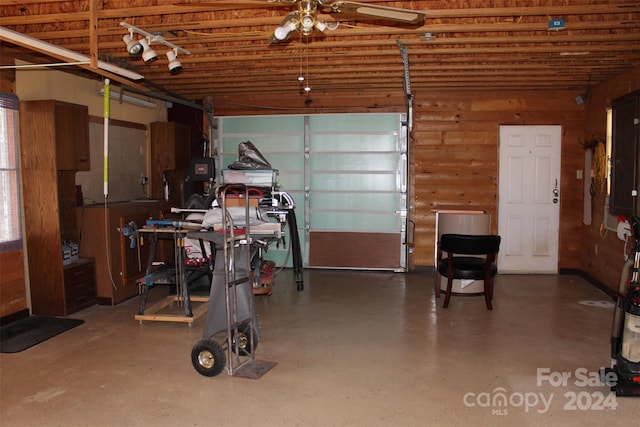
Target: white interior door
[{"x": 529, "y": 199}]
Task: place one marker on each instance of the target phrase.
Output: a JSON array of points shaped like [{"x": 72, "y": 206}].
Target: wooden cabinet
[
  {"x": 169, "y": 156},
  {"x": 79, "y": 285},
  {"x": 54, "y": 144},
  {"x": 72, "y": 151},
  {"x": 118, "y": 263}
]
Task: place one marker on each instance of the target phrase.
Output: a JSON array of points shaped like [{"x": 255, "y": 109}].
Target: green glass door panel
[
  {"x": 374, "y": 182},
  {"x": 349, "y": 164},
  {"x": 280, "y": 139},
  {"x": 342, "y": 123},
  {"x": 263, "y": 125},
  {"x": 361, "y": 201},
  {"x": 384, "y": 161},
  {"x": 354, "y": 221}
]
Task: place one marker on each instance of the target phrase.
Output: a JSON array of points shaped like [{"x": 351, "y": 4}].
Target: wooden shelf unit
[{"x": 54, "y": 145}]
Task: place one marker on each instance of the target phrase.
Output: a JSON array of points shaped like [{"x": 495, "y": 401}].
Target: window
[{"x": 10, "y": 225}]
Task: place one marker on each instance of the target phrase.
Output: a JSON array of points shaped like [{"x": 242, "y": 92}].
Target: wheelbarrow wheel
[
  {"x": 208, "y": 358},
  {"x": 243, "y": 336}
]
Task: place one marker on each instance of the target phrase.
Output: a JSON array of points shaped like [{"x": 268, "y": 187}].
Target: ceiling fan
[{"x": 305, "y": 19}]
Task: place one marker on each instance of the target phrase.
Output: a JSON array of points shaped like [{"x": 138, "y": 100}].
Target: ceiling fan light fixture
[
  {"x": 307, "y": 23},
  {"x": 148, "y": 54},
  {"x": 282, "y": 32},
  {"x": 331, "y": 25},
  {"x": 320, "y": 26},
  {"x": 133, "y": 46}
]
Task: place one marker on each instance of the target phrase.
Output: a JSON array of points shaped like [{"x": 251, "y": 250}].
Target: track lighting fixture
[
  {"x": 148, "y": 53},
  {"x": 133, "y": 46},
  {"x": 174, "y": 65}
]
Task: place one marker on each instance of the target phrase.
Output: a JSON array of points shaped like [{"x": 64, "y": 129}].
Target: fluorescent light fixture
[
  {"x": 62, "y": 53},
  {"x": 129, "y": 99},
  {"x": 37, "y": 66}
]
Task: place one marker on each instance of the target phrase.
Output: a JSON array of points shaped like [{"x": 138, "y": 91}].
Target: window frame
[{"x": 11, "y": 233}]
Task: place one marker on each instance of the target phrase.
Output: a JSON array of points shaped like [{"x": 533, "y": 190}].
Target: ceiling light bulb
[
  {"x": 148, "y": 54},
  {"x": 321, "y": 26},
  {"x": 301, "y": 78},
  {"x": 174, "y": 65},
  {"x": 282, "y": 32},
  {"x": 133, "y": 46},
  {"x": 307, "y": 25}
]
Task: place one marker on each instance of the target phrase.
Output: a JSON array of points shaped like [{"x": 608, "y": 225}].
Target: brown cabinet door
[
  {"x": 170, "y": 152},
  {"x": 72, "y": 136}
]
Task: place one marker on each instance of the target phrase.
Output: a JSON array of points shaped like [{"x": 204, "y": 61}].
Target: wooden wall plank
[
  {"x": 13, "y": 293},
  {"x": 455, "y": 158},
  {"x": 602, "y": 255}
]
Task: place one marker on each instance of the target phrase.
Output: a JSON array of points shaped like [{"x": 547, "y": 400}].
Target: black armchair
[{"x": 468, "y": 257}]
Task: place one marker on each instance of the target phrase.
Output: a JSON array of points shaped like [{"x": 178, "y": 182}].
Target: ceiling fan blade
[{"x": 377, "y": 11}]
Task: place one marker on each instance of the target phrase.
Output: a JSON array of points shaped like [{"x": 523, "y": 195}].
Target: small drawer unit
[{"x": 79, "y": 285}]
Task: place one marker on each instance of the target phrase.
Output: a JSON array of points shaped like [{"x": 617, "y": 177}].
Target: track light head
[
  {"x": 148, "y": 53},
  {"x": 174, "y": 65},
  {"x": 133, "y": 46}
]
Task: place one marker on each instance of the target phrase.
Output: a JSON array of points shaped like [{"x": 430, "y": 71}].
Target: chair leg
[
  {"x": 488, "y": 293},
  {"x": 448, "y": 293}
]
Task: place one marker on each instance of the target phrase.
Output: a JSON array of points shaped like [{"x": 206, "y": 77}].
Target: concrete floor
[{"x": 352, "y": 349}]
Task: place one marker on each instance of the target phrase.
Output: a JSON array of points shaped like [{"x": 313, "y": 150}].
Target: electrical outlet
[{"x": 144, "y": 180}]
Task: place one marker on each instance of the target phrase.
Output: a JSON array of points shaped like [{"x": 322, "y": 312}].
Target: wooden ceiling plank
[{"x": 587, "y": 9}]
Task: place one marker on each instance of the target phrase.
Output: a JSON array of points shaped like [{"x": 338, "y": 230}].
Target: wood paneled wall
[
  {"x": 13, "y": 292},
  {"x": 602, "y": 252},
  {"x": 455, "y": 158},
  {"x": 454, "y": 153}
]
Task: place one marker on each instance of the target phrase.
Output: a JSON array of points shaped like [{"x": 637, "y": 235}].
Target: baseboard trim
[
  {"x": 10, "y": 318},
  {"x": 595, "y": 282},
  {"x": 564, "y": 271}
]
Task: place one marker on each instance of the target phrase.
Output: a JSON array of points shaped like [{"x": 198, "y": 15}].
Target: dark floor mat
[{"x": 27, "y": 332}]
